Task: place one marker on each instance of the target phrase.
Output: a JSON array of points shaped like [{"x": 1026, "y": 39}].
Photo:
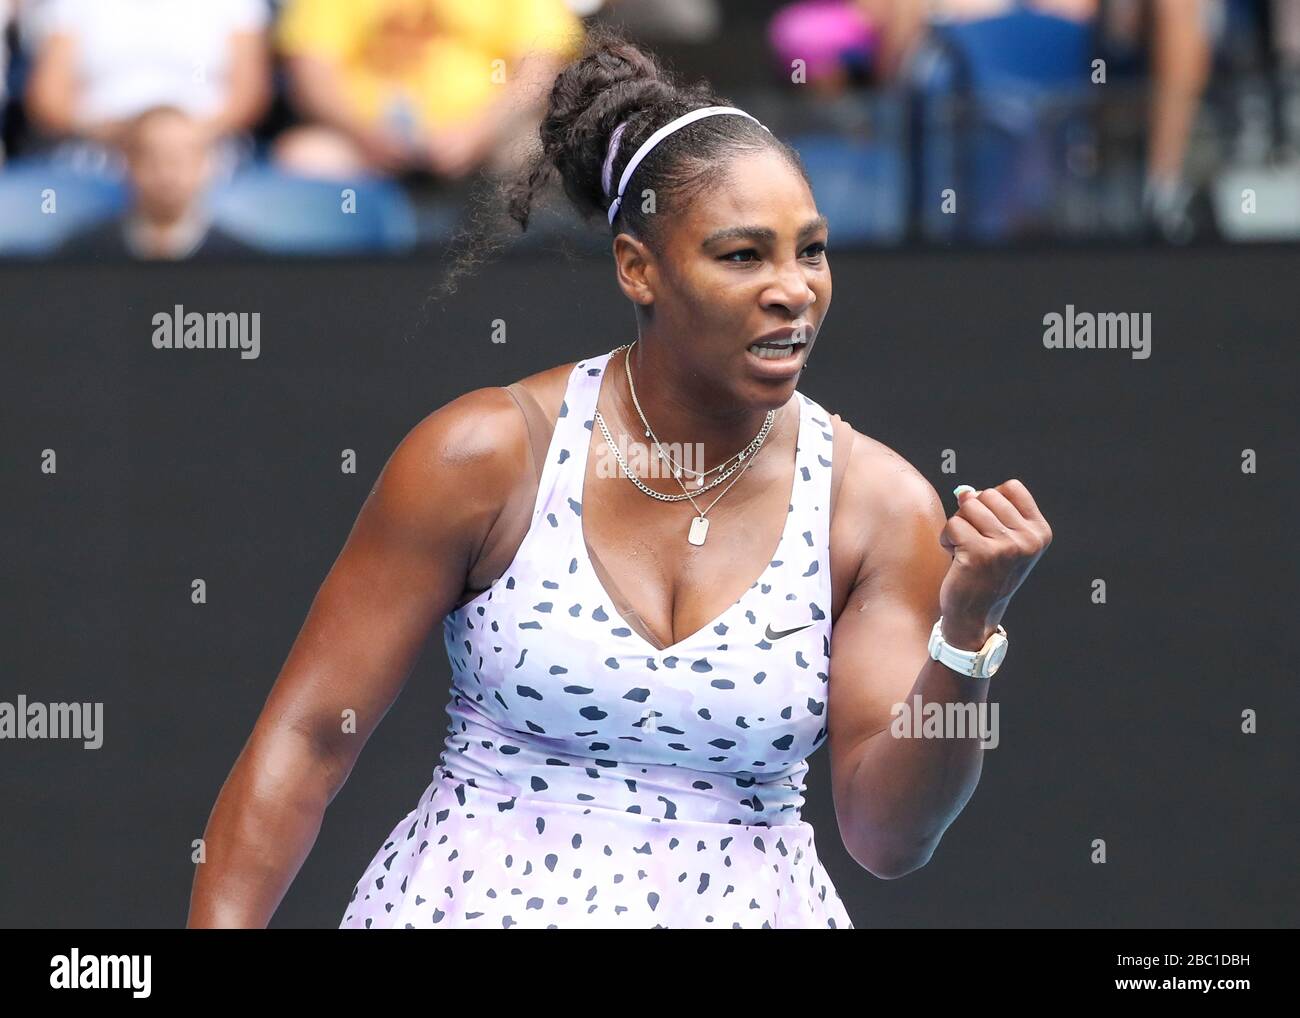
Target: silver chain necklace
[
  {"x": 699, "y": 528},
  {"x": 678, "y": 469},
  {"x": 650, "y": 434}
]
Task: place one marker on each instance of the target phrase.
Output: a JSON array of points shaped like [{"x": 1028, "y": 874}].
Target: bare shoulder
[
  {"x": 885, "y": 504},
  {"x": 882, "y": 477},
  {"x": 475, "y": 430},
  {"x": 463, "y": 463},
  {"x": 482, "y": 429},
  {"x": 547, "y": 387},
  {"x": 458, "y": 465}
]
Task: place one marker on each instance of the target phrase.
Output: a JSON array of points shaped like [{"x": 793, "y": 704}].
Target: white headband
[{"x": 651, "y": 142}]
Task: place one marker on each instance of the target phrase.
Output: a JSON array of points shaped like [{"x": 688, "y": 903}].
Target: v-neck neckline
[{"x": 581, "y": 465}]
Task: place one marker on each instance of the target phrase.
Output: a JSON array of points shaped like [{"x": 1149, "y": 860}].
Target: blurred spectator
[
  {"x": 902, "y": 23},
  {"x": 169, "y": 164},
  {"x": 99, "y": 63},
  {"x": 1285, "y": 18},
  {"x": 6, "y": 14},
  {"x": 1173, "y": 36},
  {"x": 655, "y": 21},
  {"x": 833, "y": 39},
  {"x": 443, "y": 86},
  {"x": 1176, "y": 37}
]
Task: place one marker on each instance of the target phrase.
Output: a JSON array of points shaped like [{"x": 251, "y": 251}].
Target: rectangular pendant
[{"x": 699, "y": 530}]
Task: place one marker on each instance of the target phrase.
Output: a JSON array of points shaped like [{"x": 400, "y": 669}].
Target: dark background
[{"x": 1118, "y": 721}]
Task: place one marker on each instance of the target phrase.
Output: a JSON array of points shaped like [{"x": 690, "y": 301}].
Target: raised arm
[
  {"x": 895, "y": 797},
  {"x": 401, "y": 570}
]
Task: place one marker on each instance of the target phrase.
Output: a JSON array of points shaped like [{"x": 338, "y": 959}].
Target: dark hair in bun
[
  {"x": 612, "y": 81},
  {"x": 616, "y": 81}
]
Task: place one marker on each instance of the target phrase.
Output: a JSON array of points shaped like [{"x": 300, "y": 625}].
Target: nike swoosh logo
[{"x": 770, "y": 635}]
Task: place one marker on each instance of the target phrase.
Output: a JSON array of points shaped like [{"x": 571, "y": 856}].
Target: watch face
[{"x": 995, "y": 657}]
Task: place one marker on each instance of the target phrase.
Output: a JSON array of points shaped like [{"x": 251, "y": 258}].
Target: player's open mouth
[
  {"x": 777, "y": 349},
  {"x": 788, "y": 348}
]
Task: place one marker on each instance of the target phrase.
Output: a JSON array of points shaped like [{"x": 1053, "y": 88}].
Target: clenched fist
[{"x": 995, "y": 536}]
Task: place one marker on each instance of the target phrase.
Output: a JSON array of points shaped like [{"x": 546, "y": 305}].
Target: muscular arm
[
  {"x": 895, "y": 797},
  {"x": 401, "y": 570}
]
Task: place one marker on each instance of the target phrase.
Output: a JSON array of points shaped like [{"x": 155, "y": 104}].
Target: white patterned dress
[{"x": 592, "y": 779}]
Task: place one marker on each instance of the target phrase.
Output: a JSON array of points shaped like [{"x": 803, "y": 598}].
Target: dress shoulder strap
[
  {"x": 841, "y": 450},
  {"x": 539, "y": 428}
]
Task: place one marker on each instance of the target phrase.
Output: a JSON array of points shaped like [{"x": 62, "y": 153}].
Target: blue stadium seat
[
  {"x": 1022, "y": 49},
  {"x": 998, "y": 100},
  {"x": 858, "y": 186},
  {"x": 295, "y": 215},
  {"x": 42, "y": 203}
]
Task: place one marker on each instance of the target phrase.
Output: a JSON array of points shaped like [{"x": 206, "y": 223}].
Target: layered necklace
[{"x": 741, "y": 460}]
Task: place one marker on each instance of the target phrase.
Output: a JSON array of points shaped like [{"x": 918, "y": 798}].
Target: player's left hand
[{"x": 995, "y": 536}]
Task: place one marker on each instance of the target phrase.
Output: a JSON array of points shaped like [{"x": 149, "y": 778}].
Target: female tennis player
[{"x": 664, "y": 576}]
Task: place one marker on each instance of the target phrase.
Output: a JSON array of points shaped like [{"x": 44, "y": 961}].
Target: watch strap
[{"x": 959, "y": 660}]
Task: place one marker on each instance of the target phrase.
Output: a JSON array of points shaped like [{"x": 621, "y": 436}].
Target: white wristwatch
[{"x": 979, "y": 664}]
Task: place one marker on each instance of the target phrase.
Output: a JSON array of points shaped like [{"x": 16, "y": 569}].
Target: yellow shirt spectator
[{"x": 438, "y": 61}]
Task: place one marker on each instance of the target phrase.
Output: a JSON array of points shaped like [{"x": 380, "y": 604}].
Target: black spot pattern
[{"x": 591, "y": 779}]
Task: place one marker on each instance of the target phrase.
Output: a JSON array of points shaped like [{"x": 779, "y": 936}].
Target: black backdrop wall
[{"x": 1119, "y": 721}]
